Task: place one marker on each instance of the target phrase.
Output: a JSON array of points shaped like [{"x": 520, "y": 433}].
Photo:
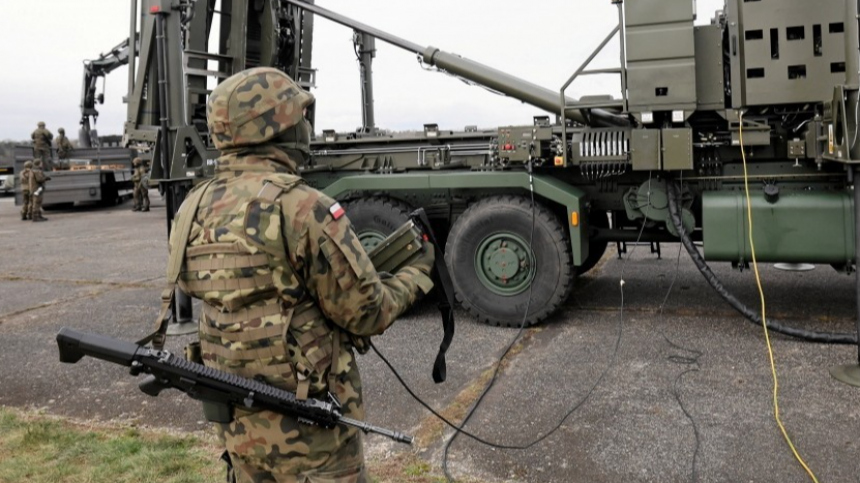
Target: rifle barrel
[{"x": 369, "y": 428}]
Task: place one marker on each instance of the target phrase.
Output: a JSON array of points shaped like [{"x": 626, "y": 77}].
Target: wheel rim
[
  {"x": 370, "y": 239},
  {"x": 505, "y": 264}
]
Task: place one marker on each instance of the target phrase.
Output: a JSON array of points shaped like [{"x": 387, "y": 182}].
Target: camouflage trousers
[
  {"x": 25, "y": 205},
  {"x": 45, "y": 155},
  {"x": 35, "y": 206},
  {"x": 141, "y": 196},
  {"x": 267, "y": 447}
]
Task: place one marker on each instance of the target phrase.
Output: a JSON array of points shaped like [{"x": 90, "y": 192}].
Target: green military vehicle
[
  {"x": 767, "y": 93},
  {"x": 97, "y": 174}
]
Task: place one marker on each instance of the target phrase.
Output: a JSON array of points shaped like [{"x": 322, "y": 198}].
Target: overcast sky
[{"x": 44, "y": 42}]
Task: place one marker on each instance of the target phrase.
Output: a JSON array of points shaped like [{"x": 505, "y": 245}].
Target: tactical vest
[
  {"x": 25, "y": 180},
  {"x": 41, "y": 140},
  {"x": 258, "y": 319},
  {"x": 37, "y": 180}
]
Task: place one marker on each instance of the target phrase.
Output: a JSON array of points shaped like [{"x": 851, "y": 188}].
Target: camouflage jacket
[
  {"x": 25, "y": 179},
  {"x": 37, "y": 179},
  {"x": 42, "y": 138},
  {"x": 138, "y": 174},
  {"x": 64, "y": 146},
  {"x": 284, "y": 283}
]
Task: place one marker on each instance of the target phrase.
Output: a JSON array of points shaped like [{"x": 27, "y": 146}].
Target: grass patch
[
  {"x": 39, "y": 448},
  {"x": 432, "y": 429},
  {"x": 42, "y": 449},
  {"x": 407, "y": 467}
]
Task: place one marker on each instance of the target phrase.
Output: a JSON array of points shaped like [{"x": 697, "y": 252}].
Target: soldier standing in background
[
  {"x": 141, "y": 185},
  {"x": 286, "y": 285},
  {"x": 64, "y": 148},
  {"x": 24, "y": 181},
  {"x": 42, "y": 146},
  {"x": 37, "y": 190}
]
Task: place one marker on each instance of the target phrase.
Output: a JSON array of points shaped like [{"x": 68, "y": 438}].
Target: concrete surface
[{"x": 100, "y": 270}]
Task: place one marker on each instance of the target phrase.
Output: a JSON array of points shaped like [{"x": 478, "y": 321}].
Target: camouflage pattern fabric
[
  {"x": 344, "y": 465},
  {"x": 42, "y": 146},
  {"x": 246, "y": 255},
  {"x": 255, "y": 106},
  {"x": 24, "y": 180},
  {"x": 37, "y": 181},
  {"x": 141, "y": 190},
  {"x": 64, "y": 148}
]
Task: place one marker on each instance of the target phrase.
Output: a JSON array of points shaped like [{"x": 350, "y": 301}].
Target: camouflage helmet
[
  {"x": 61, "y": 131},
  {"x": 135, "y": 162},
  {"x": 255, "y": 106},
  {"x": 28, "y": 164},
  {"x": 37, "y": 163},
  {"x": 41, "y": 124}
]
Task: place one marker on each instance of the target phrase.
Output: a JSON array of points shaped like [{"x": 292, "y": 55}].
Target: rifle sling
[
  {"x": 446, "y": 305},
  {"x": 174, "y": 265}
]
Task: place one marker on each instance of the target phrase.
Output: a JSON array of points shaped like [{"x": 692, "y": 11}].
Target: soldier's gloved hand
[{"x": 424, "y": 262}]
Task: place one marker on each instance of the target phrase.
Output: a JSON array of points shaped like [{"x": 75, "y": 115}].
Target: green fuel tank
[{"x": 797, "y": 227}]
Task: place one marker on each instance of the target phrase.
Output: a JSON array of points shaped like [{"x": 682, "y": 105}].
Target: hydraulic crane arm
[
  {"x": 93, "y": 70},
  {"x": 475, "y": 72}
]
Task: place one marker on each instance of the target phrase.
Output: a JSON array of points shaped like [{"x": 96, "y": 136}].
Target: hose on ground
[{"x": 714, "y": 282}]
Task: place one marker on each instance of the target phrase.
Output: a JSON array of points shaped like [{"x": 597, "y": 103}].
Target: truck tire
[
  {"x": 376, "y": 217},
  {"x": 596, "y": 249},
  {"x": 493, "y": 266}
]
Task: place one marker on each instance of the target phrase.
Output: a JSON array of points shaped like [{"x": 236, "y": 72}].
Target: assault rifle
[{"x": 220, "y": 389}]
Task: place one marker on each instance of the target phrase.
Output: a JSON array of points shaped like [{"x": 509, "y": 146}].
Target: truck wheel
[
  {"x": 374, "y": 218},
  {"x": 493, "y": 264},
  {"x": 595, "y": 249}
]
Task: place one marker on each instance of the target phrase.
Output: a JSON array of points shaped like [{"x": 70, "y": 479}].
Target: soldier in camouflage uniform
[
  {"x": 141, "y": 186},
  {"x": 24, "y": 181},
  {"x": 37, "y": 191},
  {"x": 64, "y": 148},
  {"x": 42, "y": 145},
  {"x": 287, "y": 288}
]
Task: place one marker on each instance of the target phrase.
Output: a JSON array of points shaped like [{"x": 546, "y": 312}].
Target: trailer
[
  {"x": 7, "y": 178},
  {"x": 96, "y": 175}
]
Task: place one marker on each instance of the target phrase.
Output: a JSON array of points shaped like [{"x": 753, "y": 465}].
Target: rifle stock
[{"x": 225, "y": 390}]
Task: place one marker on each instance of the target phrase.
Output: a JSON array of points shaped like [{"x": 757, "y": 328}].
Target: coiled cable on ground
[{"x": 714, "y": 282}]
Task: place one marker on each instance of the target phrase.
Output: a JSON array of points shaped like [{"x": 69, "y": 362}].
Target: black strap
[
  {"x": 174, "y": 265},
  {"x": 231, "y": 473},
  {"x": 446, "y": 305}
]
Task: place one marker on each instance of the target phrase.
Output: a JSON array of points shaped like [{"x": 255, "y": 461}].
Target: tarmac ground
[{"x": 601, "y": 392}]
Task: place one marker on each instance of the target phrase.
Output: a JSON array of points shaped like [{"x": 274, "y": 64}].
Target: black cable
[
  {"x": 688, "y": 360},
  {"x": 459, "y": 429},
  {"x": 519, "y": 334},
  {"x": 711, "y": 278}
]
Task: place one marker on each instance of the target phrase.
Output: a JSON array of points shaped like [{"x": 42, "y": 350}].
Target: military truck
[
  {"x": 7, "y": 177},
  {"x": 766, "y": 93},
  {"x": 100, "y": 174}
]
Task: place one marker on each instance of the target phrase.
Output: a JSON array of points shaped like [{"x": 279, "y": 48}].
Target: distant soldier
[
  {"x": 25, "y": 189},
  {"x": 64, "y": 148},
  {"x": 37, "y": 190},
  {"x": 141, "y": 185},
  {"x": 42, "y": 146}
]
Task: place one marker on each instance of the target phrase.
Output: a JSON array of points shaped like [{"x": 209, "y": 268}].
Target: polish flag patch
[{"x": 337, "y": 211}]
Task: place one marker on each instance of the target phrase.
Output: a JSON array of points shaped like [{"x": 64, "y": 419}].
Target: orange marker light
[
  {"x": 559, "y": 161},
  {"x": 574, "y": 219},
  {"x": 155, "y": 9}
]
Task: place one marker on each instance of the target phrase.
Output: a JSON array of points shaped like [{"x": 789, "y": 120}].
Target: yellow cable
[{"x": 763, "y": 317}]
